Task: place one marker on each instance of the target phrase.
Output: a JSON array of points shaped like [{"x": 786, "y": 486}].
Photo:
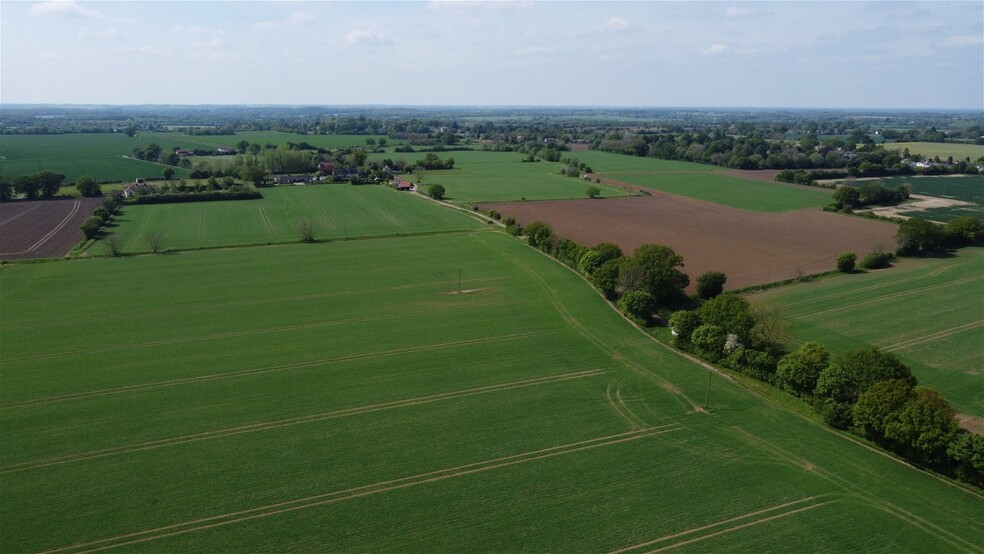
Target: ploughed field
[
  {"x": 751, "y": 248},
  {"x": 42, "y": 228},
  {"x": 356, "y": 395},
  {"x": 927, "y": 311}
]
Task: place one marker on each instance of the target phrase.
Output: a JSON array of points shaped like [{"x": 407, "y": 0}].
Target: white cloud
[
  {"x": 365, "y": 36},
  {"x": 85, "y": 32},
  {"x": 490, "y": 5},
  {"x": 62, "y": 8},
  {"x": 182, "y": 30},
  {"x": 619, "y": 24},
  {"x": 715, "y": 50}
]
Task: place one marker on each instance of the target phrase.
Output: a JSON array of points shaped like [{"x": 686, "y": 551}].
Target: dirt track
[
  {"x": 43, "y": 228},
  {"x": 751, "y": 248}
]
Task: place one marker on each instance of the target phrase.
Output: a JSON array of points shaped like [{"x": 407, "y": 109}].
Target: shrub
[
  {"x": 877, "y": 260},
  {"x": 845, "y": 262},
  {"x": 638, "y": 305},
  {"x": 436, "y": 192},
  {"x": 90, "y": 227},
  {"x": 683, "y": 323},
  {"x": 306, "y": 229},
  {"x": 708, "y": 342},
  {"x": 155, "y": 241},
  {"x": 114, "y": 245},
  {"x": 967, "y": 230},
  {"x": 754, "y": 363},
  {"x": 540, "y": 234},
  {"x": 710, "y": 284},
  {"x": 88, "y": 186},
  {"x": 102, "y": 213},
  {"x": 797, "y": 372},
  {"x": 593, "y": 192},
  {"x": 919, "y": 235}
]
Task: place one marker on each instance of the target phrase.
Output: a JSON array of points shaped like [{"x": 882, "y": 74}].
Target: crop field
[
  {"x": 354, "y": 396},
  {"x": 751, "y": 248},
  {"x": 927, "y": 311},
  {"x": 337, "y": 211},
  {"x": 481, "y": 176},
  {"x": 948, "y": 197},
  {"x": 101, "y": 154},
  {"x": 42, "y": 228},
  {"x": 709, "y": 183},
  {"x": 942, "y": 149}
]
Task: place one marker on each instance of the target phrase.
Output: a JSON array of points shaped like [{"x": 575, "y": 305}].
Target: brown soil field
[
  {"x": 43, "y": 228},
  {"x": 751, "y": 248}
]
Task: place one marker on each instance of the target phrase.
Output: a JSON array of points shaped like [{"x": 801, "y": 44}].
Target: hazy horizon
[{"x": 644, "y": 55}]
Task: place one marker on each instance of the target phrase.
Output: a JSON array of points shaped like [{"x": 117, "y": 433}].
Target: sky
[{"x": 515, "y": 53}]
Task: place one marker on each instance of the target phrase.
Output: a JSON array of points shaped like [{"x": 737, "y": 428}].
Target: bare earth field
[
  {"x": 43, "y": 228},
  {"x": 751, "y": 248}
]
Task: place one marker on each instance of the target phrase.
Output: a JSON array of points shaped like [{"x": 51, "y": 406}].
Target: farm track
[
  {"x": 877, "y": 299},
  {"x": 221, "y": 305},
  {"x": 365, "y": 490},
  {"x": 312, "y": 418},
  {"x": 259, "y": 331},
  {"x": 265, "y": 219},
  {"x": 932, "y": 337},
  {"x": 740, "y": 522},
  {"x": 277, "y": 368},
  {"x": 43, "y": 228}
]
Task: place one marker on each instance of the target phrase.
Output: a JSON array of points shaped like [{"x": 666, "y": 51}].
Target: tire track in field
[
  {"x": 201, "y": 223},
  {"x": 278, "y": 368},
  {"x": 220, "y": 305},
  {"x": 311, "y": 418},
  {"x": 795, "y": 506},
  {"x": 861, "y": 493},
  {"x": 378, "y": 210},
  {"x": 633, "y": 424},
  {"x": 892, "y": 296},
  {"x": 260, "y": 331},
  {"x": 324, "y": 214},
  {"x": 47, "y": 236},
  {"x": 935, "y": 336},
  {"x": 365, "y": 490},
  {"x": 265, "y": 219}
]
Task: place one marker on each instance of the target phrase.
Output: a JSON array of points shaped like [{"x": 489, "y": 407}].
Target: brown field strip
[
  {"x": 768, "y": 513},
  {"x": 276, "y": 368},
  {"x": 51, "y": 230},
  {"x": 365, "y": 490},
  {"x": 261, "y": 331},
  {"x": 311, "y": 418}
]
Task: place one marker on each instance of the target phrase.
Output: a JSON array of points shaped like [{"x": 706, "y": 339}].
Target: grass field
[
  {"x": 101, "y": 155},
  {"x": 966, "y": 188},
  {"x": 703, "y": 182},
  {"x": 344, "y": 396},
  {"x": 481, "y": 176},
  {"x": 927, "y": 311},
  {"x": 941, "y": 149},
  {"x": 337, "y": 210}
]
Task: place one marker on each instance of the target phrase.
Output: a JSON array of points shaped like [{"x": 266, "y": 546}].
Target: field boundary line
[
  {"x": 281, "y": 367},
  {"x": 260, "y": 331},
  {"x": 716, "y": 524},
  {"x": 20, "y": 215},
  {"x": 365, "y": 490},
  {"x": 45, "y": 238},
  {"x": 265, "y": 219},
  {"x": 311, "y": 418},
  {"x": 934, "y": 336}
]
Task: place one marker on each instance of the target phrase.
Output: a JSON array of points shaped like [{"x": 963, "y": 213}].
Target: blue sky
[{"x": 702, "y": 54}]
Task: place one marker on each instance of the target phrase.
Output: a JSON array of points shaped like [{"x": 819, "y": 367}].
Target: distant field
[
  {"x": 703, "y": 182},
  {"x": 928, "y": 311},
  {"x": 338, "y": 211},
  {"x": 941, "y": 149},
  {"x": 345, "y": 397},
  {"x": 967, "y": 189},
  {"x": 502, "y": 176},
  {"x": 101, "y": 154}
]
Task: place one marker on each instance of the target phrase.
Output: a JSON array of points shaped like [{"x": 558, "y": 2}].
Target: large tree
[
  {"x": 87, "y": 185},
  {"x": 798, "y": 371},
  {"x": 663, "y": 280},
  {"x": 848, "y": 376},
  {"x": 919, "y": 235}
]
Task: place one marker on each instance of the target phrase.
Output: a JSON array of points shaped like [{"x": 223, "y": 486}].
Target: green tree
[
  {"x": 88, "y": 186},
  {"x": 683, "y": 323},
  {"x": 845, "y": 262},
  {"x": 539, "y": 234},
  {"x": 593, "y": 192},
  {"x": 28, "y": 185},
  {"x": 919, "y": 235},
  {"x": 966, "y": 230},
  {"x": 253, "y": 173},
  {"x": 436, "y": 192},
  {"x": 90, "y": 227},
  {"x": 729, "y": 312},
  {"x": 967, "y": 452},
  {"x": 663, "y": 278},
  {"x": 708, "y": 342},
  {"x": 847, "y": 197},
  {"x": 49, "y": 183},
  {"x": 848, "y": 376},
  {"x": 638, "y": 305},
  {"x": 6, "y": 188},
  {"x": 605, "y": 277},
  {"x": 879, "y": 405},
  {"x": 599, "y": 254},
  {"x": 924, "y": 427},
  {"x": 710, "y": 284},
  {"x": 168, "y": 173},
  {"x": 798, "y": 371}
]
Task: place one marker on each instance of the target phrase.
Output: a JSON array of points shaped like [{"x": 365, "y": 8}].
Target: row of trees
[{"x": 44, "y": 184}]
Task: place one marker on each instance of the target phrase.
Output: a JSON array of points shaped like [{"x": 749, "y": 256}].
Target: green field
[
  {"x": 481, "y": 176},
  {"x": 101, "y": 154},
  {"x": 941, "y": 149},
  {"x": 345, "y": 396},
  {"x": 927, "y": 311},
  {"x": 967, "y": 188},
  {"x": 337, "y": 210},
  {"x": 704, "y": 182}
]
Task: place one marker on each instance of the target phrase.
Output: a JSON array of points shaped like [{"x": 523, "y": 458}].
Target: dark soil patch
[{"x": 43, "y": 228}]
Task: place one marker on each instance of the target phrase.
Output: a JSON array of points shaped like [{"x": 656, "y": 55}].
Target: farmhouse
[
  {"x": 399, "y": 183},
  {"x": 291, "y": 179},
  {"x": 138, "y": 187},
  {"x": 225, "y": 150}
]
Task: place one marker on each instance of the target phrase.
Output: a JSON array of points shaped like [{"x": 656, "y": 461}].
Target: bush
[
  {"x": 963, "y": 231},
  {"x": 306, "y": 229},
  {"x": 210, "y": 196},
  {"x": 797, "y": 372},
  {"x": 708, "y": 342},
  {"x": 845, "y": 262},
  {"x": 754, "y": 363},
  {"x": 539, "y": 234},
  {"x": 90, "y": 227},
  {"x": 88, "y": 186},
  {"x": 683, "y": 324},
  {"x": 155, "y": 241},
  {"x": 638, "y": 305},
  {"x": 919, "y": 235},
  {"x": 102, "y": 213},
  {"x": 710, "y": 284},
  {"x": 877, "y": 260},
  {"x": 593, "y": 192},
  {"x": 114, "y": 245},
  {"x": 436, "y": 192}
]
